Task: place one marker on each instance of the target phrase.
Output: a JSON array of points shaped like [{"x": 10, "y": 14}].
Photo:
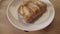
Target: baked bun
[{"x": 31, "y": 9}]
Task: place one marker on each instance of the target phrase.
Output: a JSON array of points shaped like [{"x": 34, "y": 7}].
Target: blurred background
[{"x": 7, "y": 28}]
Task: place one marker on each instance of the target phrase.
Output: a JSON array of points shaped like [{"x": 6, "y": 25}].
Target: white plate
[{"x": 41, "y": 23}]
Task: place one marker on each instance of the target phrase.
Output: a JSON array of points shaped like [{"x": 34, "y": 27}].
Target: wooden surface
[{"x": 7, "y": 28}]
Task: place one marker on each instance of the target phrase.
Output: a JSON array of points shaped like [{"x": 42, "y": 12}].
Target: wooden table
[{"x": 7, "y": 28}]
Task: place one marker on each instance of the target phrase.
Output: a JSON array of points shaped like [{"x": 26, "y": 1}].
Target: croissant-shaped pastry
[{"x": 31, "y": 10}]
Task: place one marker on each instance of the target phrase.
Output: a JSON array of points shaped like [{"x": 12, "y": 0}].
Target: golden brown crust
[{"x": 34, "y": 8}]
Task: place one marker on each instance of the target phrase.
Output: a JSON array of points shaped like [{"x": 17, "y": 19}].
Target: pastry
[{"x": 31, "y": 9}]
